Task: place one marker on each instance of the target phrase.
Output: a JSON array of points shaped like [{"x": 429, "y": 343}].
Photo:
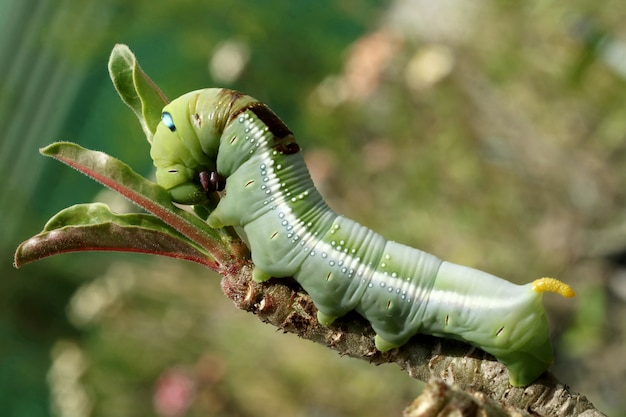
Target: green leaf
[
  {"x": 93, "y": 227},
  {"x": 223, "y": 244},
  {"x": 136, "y": 89}
]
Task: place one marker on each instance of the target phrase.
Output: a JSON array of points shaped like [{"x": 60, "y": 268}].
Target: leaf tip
[
  {"x": 54, "y": 148},
  {"x": 46, "y": 150},
  {"x": 19, "y": 258}
]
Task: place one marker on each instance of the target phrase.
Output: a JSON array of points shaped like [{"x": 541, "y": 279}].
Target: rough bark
[{"x": 462, "y": 377}]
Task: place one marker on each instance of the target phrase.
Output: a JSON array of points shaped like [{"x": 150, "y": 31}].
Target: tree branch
[{"x": 459, "y": 366}]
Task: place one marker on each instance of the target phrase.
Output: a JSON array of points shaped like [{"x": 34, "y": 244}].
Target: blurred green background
[{"x": 490, "y": 133}]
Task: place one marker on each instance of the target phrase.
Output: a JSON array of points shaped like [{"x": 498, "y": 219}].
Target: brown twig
[{"x": 282, "y": 303}]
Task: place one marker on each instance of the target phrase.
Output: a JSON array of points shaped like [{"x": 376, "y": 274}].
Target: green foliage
[{"x": 136, "y": 89}]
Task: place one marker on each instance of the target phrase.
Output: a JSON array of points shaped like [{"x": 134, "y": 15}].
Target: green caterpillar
[{"x": 210, "y": 135}]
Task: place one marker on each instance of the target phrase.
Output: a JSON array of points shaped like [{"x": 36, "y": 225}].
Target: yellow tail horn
[{"x": 546, "y": 284}]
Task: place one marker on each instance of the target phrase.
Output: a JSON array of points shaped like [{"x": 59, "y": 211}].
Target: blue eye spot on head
[{"x": 168, "y": 121}]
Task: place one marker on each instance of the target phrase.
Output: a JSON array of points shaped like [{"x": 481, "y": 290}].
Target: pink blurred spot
[{"x": 174, "y": 393}]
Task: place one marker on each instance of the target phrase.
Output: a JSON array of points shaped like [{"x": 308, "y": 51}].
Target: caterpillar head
[
  {"x": 186, "y": 142},
  {"x": 183, "y": 166}
]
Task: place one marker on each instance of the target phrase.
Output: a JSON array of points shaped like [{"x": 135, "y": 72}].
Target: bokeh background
[{"x": 489, "y": 132}]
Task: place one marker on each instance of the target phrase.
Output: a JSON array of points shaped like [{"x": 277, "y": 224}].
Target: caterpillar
[{"x": 211, "y": 135}]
